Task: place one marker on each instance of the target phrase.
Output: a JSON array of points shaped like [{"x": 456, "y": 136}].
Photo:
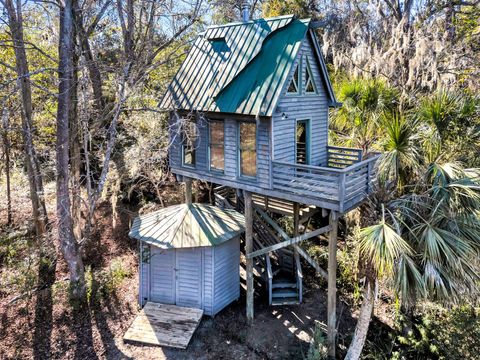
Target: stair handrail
[
  {"x": 299, "y": 276},
  {"x": 270, "y": 277}
]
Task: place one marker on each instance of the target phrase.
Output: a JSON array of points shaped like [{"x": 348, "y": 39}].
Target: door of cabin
[
  {"x": 188, "y": 269},
  {"x": 162, "y": 275},
  {"x": 302, "y": 142}
]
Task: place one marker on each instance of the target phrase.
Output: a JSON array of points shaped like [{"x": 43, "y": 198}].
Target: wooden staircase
[{"x": 281, "y": 269}]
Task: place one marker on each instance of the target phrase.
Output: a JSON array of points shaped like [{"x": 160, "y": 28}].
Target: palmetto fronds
[
  {"x": 400, "y": 157},
  {"x": 357, "y": 122},
  {"x": 440, "y": 221}
]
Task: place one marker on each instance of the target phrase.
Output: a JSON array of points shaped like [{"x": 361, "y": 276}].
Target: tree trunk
[
  {"x": 15, "y": 22},
  {"x": 6, "y": 149},
  {"x": 361, "y": 330},
  {"x": 75, "y": 146},
  {"x": 69, "y": 245}
]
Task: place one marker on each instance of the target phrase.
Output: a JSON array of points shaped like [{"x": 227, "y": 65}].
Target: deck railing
[
  {"x": 329, "y": 187},
  {"x": 340, "y": 157}
]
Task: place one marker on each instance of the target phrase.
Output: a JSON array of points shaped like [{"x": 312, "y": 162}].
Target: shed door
[
  {"x": 189, "y": 277},
  {"x": 162, "y": 284}
]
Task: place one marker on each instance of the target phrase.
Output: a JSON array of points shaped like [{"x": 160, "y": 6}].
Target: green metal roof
[
  {"x": 184, "y": 226},
  {"x": 238, "y": 67}
]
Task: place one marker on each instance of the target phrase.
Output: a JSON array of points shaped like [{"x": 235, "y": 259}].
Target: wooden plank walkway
[{"x": 164, "y": 325}]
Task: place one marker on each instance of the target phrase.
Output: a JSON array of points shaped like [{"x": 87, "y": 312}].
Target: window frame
[
  {"x": 298, "y": 80},
  {"x": 209, "y": 143},
  {"x": 308, "y": 141},
  {"x": 194, "y": 147},
  {"x": 239, "y": 152},
  {"x": 308, "y": 69}
]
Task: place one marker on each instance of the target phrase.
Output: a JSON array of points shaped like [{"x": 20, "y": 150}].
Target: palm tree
[
  {"x": 455, "y": 117},
  {"x": 400, "y": 156},
  {"x": 427, "y": 241},
  {"x": 356, "y": 123}
]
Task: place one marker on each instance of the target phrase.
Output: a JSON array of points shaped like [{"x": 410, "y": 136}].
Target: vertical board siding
[
  {"x": 143, "y": 294},
  {"x": 201, "y": 150},
  {"x": 162, "y": 277},
  {"x": 208, "y": 280},
  {"x": 189, "y": 276},
  {"x": 263, "y": 153},
  {"x": 227, "y": 274},
  {"x": 230, "y": 148},
  {"x": 175, "y": 149},
  {"x": 300, "y": 107}
]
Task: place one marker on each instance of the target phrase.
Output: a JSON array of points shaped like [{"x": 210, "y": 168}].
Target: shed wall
[
  {"x": 227, "y": 274},
  {"x": 217, "y": 275}
]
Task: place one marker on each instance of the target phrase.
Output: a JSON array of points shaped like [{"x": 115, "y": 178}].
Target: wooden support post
[
  {"x": 188, "y": 191},
  {"x": 247, "y": 197},
  {"x": 296, "y": 218},
  {"x": 332, "y": 285},
  {"x": 296, "y": 221}
]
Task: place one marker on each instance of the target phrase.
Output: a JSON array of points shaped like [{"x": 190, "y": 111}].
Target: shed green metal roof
[
  {"x": 187, "y": 226},
  {"x": 238, "y": 67}
]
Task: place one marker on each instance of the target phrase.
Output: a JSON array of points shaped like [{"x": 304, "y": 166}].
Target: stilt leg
[
  {"x": 247, "y": 197},
  {"x": 188, "y": 191},
  {"x": 332, "y": 285}
]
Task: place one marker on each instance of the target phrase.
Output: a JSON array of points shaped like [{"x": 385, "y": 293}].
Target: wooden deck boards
[{"x": 164, "y": 325}]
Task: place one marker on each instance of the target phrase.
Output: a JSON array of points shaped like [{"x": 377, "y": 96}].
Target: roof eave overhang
[{"x": 326, "y": 78}]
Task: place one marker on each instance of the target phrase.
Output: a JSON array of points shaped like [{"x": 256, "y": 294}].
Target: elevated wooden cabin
[{"x": 249, "y": 112}]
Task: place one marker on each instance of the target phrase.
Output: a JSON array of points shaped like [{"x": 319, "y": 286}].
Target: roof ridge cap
[{"x": 237, "y": 23}]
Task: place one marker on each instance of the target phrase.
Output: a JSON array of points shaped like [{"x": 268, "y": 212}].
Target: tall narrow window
[
  {"x": 248, "y": 149},
  {"x": 293, "y": 86},
  {"x": 309, "y": 84},
  {"x": 302, "y": 142},
  {"x": 189, "y": 141},
  {"x": 216, "y": 146}
]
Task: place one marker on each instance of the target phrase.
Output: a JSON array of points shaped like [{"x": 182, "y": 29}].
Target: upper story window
[
  {"x": 189, "y": 141},
  {"x": 293, "y": 87},
  {"x": 216, "y": 145},
  {"x": 247, "y": 148},
  {"x": 309, "y": 82}
]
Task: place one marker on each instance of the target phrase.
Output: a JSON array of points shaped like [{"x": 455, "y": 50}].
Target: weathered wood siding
[
  {"x": 226, "y": 273},
  {"x": 300, "y": 107},
  {"x": 162, "y": 275},
  {"x": 231, "y": 170},
  {"x": 208, "y": 281},
  {"x": 189, "y": 277},
  {"x": 206, "y": 277},
  {"x": 143, "y": 286}
]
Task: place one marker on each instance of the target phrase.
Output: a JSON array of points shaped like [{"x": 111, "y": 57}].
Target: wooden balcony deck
[
  {"x": 340, "y": 186},
  {"x": 334, "y": 188}
]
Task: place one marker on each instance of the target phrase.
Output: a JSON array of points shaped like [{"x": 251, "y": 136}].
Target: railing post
[
  {"x": 369, "y": 171},
  {"x": 341, "y": 191}
]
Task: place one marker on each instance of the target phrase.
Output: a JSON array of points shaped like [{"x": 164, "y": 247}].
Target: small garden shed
[{"x": 189, "y": 256}]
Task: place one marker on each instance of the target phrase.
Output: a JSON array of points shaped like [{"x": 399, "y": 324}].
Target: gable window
[
  {"x": 293, "y": 86},
  {"x": 216, "y": 145},
  {"x": 309, "y": 83},
  {"x": 189, "y": 140},
  {"x": 302, "y": 142},
  {"x": 247, "y": 147}
]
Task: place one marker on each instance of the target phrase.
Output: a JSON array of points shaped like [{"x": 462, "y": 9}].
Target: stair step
[
  {"x": 286, "y": 301},
  {"x": 283, "y": 284},
  {"x": 284, "y": 293}
]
